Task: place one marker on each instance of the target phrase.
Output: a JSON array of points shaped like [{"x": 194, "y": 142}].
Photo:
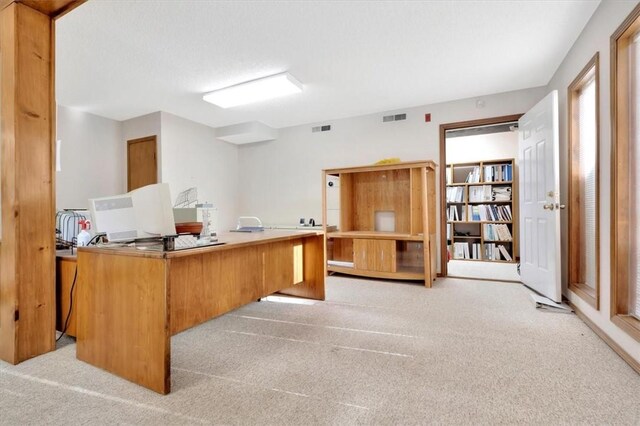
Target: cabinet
[
  {"x": 482, "y": 211},
  {"x": 374, "y": 255},
  {"x": 379, "y": 221}
]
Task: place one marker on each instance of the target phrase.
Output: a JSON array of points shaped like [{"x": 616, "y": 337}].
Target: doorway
[
  {"x": 479, "y": 204},
  {"x": 142, "y": 164}
]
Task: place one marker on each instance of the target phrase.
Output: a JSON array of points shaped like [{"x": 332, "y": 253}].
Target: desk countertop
[
  {"x": 231, "y": 240},
  {"x": 301, "y": 227},
  {"x": 66, "y": 254}
]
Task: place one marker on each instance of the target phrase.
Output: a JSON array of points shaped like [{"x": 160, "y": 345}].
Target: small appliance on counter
[
  {"x": 248, "y": 224},
  {"x": 205, "y": 214}
]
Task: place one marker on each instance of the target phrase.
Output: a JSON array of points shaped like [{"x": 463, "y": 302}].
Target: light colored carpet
[{"x": 374, "y": 353}]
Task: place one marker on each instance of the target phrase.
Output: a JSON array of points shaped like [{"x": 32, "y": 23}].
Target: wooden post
[{"x": 27, "y": 114}]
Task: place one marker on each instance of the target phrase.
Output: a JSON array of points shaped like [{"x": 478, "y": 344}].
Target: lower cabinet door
[{"x": 374, "y": 255}]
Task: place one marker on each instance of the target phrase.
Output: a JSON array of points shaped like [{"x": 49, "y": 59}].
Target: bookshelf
[
  {"x": 385, "y": 221},
  {"x": 481, "y": 211}
]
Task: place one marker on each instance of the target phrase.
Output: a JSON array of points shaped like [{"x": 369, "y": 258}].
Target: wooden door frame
[
  {"x": 27, "y": 249},
  {"x": 443, "y": 169},
  {"x": 130, "y": 142}
]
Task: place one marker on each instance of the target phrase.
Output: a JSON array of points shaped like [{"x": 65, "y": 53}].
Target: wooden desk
[{"x": 130, "y": 301}]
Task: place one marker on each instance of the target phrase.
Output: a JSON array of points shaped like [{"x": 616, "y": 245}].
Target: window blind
[
  {"x": 634, "y": 179},
  {"x": 587, "y": 159}
]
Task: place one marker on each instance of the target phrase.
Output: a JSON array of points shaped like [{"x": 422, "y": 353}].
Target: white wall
[
  {"x": 281, "y": 180},
  {"x": 595, "y": 37},
  {"x": 90, "y": 157},
  {"x": 192, "y": 156},
  {"x": 94, "y": 159},
  {"x": 494, "y": 146}
]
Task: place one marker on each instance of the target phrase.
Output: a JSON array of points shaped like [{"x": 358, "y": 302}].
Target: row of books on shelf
[
  {"x": 496, "y": 252},
  {"x": 489, "y": 213},
  {"x": 501, "y": 193},
  {"x": 474, "y": 251},
  {"x": 493, "y": 173},
  {"x": 488, "y": 193},
  {"x": 454, "y": 215},
  {"x": 498, "y": 173},
  {"x": 497, "y": 232},
  {"x": 492, "y": 232},
  {"x": 455, "y": 194},
  {"x": 474, "y": 175},
  {"x": 461, "y": 251},
  {"x": 480, "y": 213}
]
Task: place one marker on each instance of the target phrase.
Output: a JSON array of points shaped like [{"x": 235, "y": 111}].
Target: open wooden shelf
[
  {"x": 479, "y": 221},
  {"x": 403, "y": 273},
  {"x": 486, "y": 202},
  {"x": 500, "y": 182},
  {"x": 485, "y": 260},
  {"x": 385, "y": 217},
  {"x": 375, "y": 235},
  {"x": 456, "y": 175}
]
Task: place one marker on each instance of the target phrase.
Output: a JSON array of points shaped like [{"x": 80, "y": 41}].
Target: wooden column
[{"x": 27, "y": 249}]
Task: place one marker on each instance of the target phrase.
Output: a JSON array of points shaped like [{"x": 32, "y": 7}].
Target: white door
[{"x": 539, "y": 198}]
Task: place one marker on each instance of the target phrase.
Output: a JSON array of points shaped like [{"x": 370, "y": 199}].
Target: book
[
  {"x": 455, "y": 194},
  {"x": 474, "y": 176},
  {"x": 501, "y": 193},
  {"x": 480, "y": 193},
  {"x": 505, "y": 253}
]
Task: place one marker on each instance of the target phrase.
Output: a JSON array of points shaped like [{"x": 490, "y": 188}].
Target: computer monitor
[{"x": 142, "y": 213}]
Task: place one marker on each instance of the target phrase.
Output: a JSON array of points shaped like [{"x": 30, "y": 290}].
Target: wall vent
[
  {"x": 324, "y": 128},
  {"x": 396, "y": 117}
]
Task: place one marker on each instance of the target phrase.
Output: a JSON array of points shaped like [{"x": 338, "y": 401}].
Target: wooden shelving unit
[
  {"x": 385, "y": 217},
  {"x": 471, "y": 191}
]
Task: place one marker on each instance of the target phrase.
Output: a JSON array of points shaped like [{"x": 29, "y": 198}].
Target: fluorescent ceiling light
[{"x": 258, "y": 90}]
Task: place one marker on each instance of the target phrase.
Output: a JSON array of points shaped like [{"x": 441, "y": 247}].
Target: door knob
[
  {"x": 549, "y": 206},
  {"x": 560, "y": 206}
]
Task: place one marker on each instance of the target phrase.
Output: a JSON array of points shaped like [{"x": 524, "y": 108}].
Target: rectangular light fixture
[{"x": 252, "y": 91}]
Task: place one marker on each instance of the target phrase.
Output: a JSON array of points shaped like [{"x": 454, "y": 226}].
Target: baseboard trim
[
  {"x": 482, "y": 279},
  {"x": 605, "y": 337}
]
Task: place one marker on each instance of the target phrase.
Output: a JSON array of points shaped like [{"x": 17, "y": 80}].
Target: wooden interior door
[{"x": 142, "y": 164}]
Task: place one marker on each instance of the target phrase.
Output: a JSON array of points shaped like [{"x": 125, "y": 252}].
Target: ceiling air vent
[
  {"x": 396, "y": 117},
  {"x": 324, "y": 128}
]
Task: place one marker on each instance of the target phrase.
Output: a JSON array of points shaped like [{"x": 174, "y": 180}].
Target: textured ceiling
[{"x": 121, "y": 59}]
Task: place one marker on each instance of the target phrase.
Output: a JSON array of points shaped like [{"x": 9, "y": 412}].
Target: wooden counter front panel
[
  {"x": 208, "y": 285},
  {"x": 130, "y": 304},
  {"x": 279, "y": 266},
  {"x": 123, "y": 324},
  {"x": 313, "y": 272},
  {"x": 65, "y": 271}
]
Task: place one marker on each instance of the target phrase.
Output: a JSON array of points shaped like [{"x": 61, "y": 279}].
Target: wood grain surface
[
  {"x": 129, "y": 305},
  {"x": 27, "y": 260},
  {"x": 123, "y": 317}
]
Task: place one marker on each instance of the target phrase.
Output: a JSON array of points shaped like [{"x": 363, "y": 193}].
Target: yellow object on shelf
[{"x": 392, "y": 160}]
